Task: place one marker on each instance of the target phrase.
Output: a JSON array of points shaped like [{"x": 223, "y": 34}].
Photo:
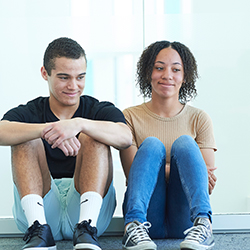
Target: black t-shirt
[{"x": 38, "y": 111}]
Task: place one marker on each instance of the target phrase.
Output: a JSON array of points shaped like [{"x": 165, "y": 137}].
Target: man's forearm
[
  {"x": 13, "y": 133},
  {"x": 117, "y": 135}
]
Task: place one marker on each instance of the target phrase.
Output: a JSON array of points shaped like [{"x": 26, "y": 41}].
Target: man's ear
[{"x": 44, "y": 73}]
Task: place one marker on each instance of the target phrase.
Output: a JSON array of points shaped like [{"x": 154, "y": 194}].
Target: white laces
[
  {"x": 197, "y": 233},
  {"x": 139, "y": 233}
]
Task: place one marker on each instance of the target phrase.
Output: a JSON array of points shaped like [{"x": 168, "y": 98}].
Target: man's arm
[
  {"x": 208, "y": 156},
  {"x": 12, "y": 133},
  {"x": 115, "y": 134}
]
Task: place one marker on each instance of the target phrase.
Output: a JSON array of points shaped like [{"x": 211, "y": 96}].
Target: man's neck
[{"x": 63, "y": 112}]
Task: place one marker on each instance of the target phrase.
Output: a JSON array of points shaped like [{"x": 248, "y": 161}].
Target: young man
[{"x": 61, "y": 159}]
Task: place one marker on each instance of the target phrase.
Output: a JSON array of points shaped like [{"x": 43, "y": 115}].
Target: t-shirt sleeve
[
  {"x": 130, "y": 125},
  {"x": 32, "y": 112},
  {"x": 205, "y": 135},
  {"x": 109, "y": 112},
  {"x": 16, "y": 114}
]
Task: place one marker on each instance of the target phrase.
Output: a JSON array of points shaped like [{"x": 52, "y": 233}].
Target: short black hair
[
  {"x": 146, "y": 63},
  {"x": 61, "y": 47}
]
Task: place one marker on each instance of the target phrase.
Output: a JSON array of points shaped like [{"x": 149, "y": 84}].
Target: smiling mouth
[
  {"x": 166, "y": 84},
  {"x": 70, "y": 94}
]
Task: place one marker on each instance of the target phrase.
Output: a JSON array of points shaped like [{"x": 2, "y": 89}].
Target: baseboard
[
  {"x": 222, "y": 223},
  {"x": 231, "y": 223},
  {"x": 8, "y": 227}
]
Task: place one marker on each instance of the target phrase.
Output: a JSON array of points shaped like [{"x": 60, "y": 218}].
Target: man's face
[{"x": 66, "y": 82}]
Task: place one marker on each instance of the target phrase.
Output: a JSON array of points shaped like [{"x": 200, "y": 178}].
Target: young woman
[{"x": 170, "y": 165}]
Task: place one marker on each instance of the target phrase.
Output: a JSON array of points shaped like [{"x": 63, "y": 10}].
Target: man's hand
[
  {"x": 57, "y": 132},
  {"x": 62, "y": 134},
  {"x": 211, "y": 179},
  {"x": 70, "y": 147}
]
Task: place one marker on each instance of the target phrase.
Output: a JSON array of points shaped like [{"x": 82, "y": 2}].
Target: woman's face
[{"x": 167, "y": 75}]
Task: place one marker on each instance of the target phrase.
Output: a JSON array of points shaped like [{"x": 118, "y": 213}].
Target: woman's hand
[{"x": 211, "y": 179}]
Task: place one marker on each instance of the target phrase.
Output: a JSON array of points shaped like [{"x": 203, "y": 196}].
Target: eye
[
  {"x": 159, "y": 68},
  {"x": 80, "y": 77},
  {"x": 63, "y": 77},
  {"x": 176, "y": 70}
]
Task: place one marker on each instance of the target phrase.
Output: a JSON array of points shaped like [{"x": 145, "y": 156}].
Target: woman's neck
[{"x": 165, "y": 108}]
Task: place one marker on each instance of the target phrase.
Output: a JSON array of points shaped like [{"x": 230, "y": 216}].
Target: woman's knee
[
  {"x": 153, "y": 145},
  {"x": 184, "y": 142}
]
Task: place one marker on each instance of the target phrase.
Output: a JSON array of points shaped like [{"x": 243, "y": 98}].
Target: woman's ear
[{"x": 44, "y": 73}]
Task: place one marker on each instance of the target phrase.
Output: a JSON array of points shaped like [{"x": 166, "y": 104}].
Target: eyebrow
[
  {"x": 173, "y": 63},
  {"x": 64, "y": 74}
]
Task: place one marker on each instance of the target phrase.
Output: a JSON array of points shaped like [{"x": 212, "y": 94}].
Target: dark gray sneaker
[
  {"x": 199, "y": 237},
  {"x": 136, "y": 237},
  {"x": 38, "y": 237},
  {"x": 85, "y": 236}
]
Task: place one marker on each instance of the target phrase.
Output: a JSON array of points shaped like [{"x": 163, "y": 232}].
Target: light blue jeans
[{"x": 171, "y": 207}]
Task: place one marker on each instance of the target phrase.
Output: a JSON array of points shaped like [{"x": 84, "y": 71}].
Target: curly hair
[
  {"x": 146, "y": 63},
  {"x": 61, "y": 47}
]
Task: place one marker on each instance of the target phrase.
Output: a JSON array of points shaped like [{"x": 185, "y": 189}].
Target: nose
[
  {"x": 167, "y": 74},
  {"x": 72, "y": 84}
]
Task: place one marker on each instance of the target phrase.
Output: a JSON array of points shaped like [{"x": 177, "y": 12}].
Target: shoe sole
[
  {"x": 148, "y": 246},
  {"x": 192, "y": 246},
  {"x": 86, "y": 247},
  {"x": 41, "y": 248}
]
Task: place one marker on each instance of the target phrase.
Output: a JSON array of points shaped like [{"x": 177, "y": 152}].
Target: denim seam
[{"x": 183, "y": 183}]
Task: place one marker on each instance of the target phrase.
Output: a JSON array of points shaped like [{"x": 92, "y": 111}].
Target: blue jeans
[{"x": 171, "y": 207}]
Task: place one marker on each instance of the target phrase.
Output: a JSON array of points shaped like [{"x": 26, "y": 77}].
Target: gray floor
[{"x": 222, "y": 242}]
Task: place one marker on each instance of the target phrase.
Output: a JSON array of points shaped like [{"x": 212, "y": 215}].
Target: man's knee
[
  {"x": 88, "y": 144},
  {"x": 27, "y": 147}
]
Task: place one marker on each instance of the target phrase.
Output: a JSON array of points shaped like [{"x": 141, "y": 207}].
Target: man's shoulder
[
  {"x": 35, "y": 105},
  {"x": 27, "y": 112},
  {"x": 90, "y": 100},
  {"x": 91, "y": 105},
  {"x": 38, "y": 100}
]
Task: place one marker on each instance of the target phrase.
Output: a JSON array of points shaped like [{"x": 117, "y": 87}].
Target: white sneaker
[{"x": 199, "y": 237}]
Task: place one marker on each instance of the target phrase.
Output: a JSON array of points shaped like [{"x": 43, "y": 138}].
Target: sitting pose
[
  {"x": 170, "y": 165},
  {"x": 61, "y": 159}
]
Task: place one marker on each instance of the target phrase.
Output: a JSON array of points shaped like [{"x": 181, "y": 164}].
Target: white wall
[{"x": 216, "y": 32}]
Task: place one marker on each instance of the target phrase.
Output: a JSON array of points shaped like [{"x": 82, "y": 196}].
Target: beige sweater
[{"x": 190, "y": 121}]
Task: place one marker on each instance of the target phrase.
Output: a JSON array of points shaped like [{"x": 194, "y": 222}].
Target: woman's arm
[
  {"x": 208, "y": 156},
  {"x": 127, "y": 157}
]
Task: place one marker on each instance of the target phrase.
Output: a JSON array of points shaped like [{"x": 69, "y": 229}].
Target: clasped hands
[{"x": 62, "y": 135}]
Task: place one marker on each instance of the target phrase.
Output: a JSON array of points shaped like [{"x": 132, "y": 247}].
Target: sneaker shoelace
[
  {"x": 34, "y": 230},
  {"x": 139, "y": 233},
  {"x": 85, "y": 226},
  {"x": 197, "y": 233}
]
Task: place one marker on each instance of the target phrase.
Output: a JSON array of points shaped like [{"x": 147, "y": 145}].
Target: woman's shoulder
[
  {"x": 194, "y": 110},
  {"x": 134, "y": 109},
  {"x": 199, "y": 114}
]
